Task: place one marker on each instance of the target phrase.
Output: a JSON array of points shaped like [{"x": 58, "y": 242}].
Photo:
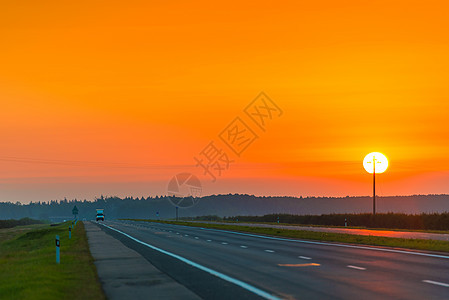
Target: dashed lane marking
[
  {"x": 357, "y": 268},
  {"x": 436, "y": 283}
]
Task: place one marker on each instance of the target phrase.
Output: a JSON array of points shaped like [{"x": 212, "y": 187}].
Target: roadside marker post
[
  {"x": 70, "y": 232},
  {"x": 57, "y": 250}
]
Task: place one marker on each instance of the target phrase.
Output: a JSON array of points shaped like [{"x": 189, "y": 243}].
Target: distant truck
[{"x": 100, "y": 214}]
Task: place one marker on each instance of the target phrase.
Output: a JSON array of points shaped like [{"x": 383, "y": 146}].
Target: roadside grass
[
  {"x": 10, "y": 233},
  {"x": 417, "y": 244},
  {"x": 29, "y": 269},
  {"x": 325, "y": 226},
  {"x": 22, "y": 222}
]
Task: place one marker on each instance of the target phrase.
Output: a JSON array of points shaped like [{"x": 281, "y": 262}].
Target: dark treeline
[
  {"x": 389, "y": 220},
  {"x": 56, "y": 211},
  {"x": 222, "y": 206},
  {"x": 13, "y": 223}
]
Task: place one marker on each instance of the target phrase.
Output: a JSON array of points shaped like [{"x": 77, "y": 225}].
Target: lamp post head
[{"x": 375, "y": 161}]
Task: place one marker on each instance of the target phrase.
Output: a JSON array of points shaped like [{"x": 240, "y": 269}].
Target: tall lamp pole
[
  {"x": 374, "y": 185},
  {"x": 369, "y": 163}
]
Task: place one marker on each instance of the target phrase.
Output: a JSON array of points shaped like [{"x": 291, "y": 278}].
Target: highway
[{"x": 217, "y": 264}]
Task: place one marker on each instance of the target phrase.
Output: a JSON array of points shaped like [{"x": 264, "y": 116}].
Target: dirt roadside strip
[
  {"x": 125, "y": 274},
  {"x": 367, "y": 232}
]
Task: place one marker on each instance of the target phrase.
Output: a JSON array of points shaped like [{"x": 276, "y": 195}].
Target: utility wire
[{"x": 76, "y": 163}]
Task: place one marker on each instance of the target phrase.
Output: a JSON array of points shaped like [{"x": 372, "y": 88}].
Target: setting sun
[{"x": 375, "y": 161}]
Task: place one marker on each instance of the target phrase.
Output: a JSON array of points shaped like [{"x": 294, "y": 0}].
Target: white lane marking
[
  {"x": 196, "y": 237},
  {"x": 244, "y": 247},
  {"x": 355, "y": 267},
  {"x": 209, "y": 241},
  {"x": 436, "y": 283},
  {"x": 177, "y": 233},
  {"x": 269, "y": 251},
  {"x": 235, "y": 281},
  {"x": 324, "y": 243},
  {"x": 186, "y": 235},
  {"x": 224, "y": 243},
  {"x": 304, "y": 257}
]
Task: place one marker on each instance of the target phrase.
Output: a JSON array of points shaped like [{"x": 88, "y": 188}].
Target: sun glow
[{"x": 378, "y": 159}]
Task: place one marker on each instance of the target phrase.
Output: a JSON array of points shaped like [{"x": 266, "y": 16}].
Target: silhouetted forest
[
  {"x": 391, "y": 220},
  {"x": 222, "y": 206}
]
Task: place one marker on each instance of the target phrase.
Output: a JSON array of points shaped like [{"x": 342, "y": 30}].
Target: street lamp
[{"x": 375, "y": 162}]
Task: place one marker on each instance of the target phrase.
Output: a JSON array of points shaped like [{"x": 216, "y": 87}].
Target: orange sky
[{"x": 114, "y": 98}]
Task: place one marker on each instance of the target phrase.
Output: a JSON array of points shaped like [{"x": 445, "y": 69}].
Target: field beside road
[
  {"x": 418, "y": 244},
  {"x": 29, "y": 270},
  {"x": 22, "y": 222}
]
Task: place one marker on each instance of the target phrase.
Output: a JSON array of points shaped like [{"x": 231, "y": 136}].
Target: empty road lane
[{"x": 221, "y": 264}]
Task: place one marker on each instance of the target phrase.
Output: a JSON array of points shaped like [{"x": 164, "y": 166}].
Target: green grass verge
[
  {"x": 428, "y": 245},
  {"x": 29, "y": 269},
  {"x": 10, "y": 233},
  {"x": 326, "y": 226},
  {"x": 24, "y": 221}
]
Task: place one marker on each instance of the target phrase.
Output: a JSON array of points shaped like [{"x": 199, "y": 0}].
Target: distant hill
[{"x": 224, "y": 205}]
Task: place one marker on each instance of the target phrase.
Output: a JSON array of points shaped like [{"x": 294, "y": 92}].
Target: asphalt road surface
[{"x": 217, "y": 264}]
